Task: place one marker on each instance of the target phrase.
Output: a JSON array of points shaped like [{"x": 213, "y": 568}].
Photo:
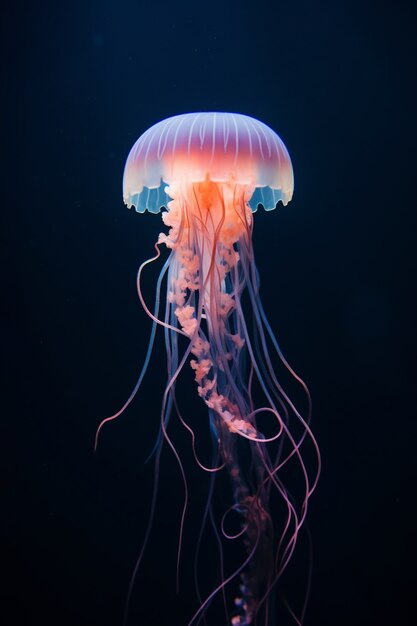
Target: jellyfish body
[{"x": 211, "y": 170}]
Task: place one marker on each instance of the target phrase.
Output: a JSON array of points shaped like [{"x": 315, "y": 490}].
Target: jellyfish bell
[
  {"x": 211, "y": 171},
  {"x": 222, "y": 147}
]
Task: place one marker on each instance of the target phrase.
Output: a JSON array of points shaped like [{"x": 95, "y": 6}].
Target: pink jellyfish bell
[{"x": 211, "y": 171}]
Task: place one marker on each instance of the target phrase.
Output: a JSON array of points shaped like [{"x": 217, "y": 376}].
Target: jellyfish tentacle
[
  {"x": 261, "y": 320},
  {"x": 257, "y": 532},
  {"x": 147, "y": 357}
]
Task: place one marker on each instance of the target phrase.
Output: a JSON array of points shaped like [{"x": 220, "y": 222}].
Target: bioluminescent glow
[{"x": 211, "y": 171}]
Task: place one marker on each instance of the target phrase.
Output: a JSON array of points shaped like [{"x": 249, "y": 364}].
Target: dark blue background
[{"x": 81, "y": 81}]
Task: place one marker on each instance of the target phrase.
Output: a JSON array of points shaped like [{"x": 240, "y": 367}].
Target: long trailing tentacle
[{"x": 148, "y": 352}]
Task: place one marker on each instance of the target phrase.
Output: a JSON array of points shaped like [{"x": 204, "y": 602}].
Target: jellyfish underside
[{"x": 211, "y": 265}]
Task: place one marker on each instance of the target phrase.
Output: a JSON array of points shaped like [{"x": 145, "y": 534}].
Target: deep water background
[{"x": 80, "y": 82}]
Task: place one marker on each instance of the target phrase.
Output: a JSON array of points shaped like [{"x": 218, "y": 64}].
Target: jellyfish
[{"x": 211, "y": 171}]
